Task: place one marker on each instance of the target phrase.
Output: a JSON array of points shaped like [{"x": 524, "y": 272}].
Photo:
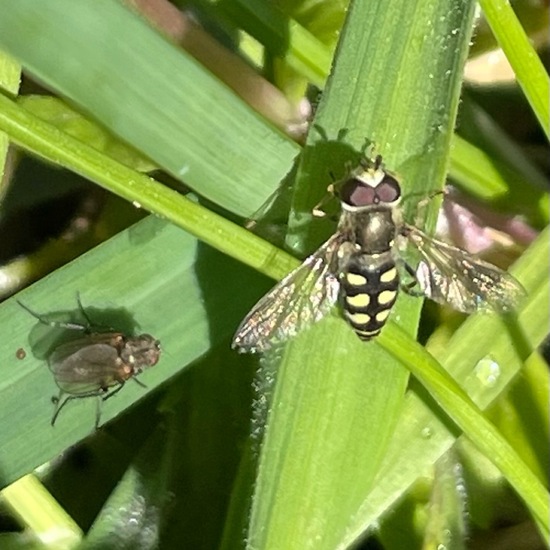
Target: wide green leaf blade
[
  {"x": 153, "y": 274},
  {"x": 336, "y": 399},
  {"x": 161, "y": 101}
]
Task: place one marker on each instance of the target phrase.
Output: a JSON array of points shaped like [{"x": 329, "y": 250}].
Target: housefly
[
  {"x": 97, "y": 363},
  {"x": 361, "y": 266}
]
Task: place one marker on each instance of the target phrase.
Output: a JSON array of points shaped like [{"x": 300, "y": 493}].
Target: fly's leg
[
  {"x": 83, "y": 311},
  {"x": 114, "y": 392},
  {"x": 97, "y": 413},
  {"x": 60, "y": 404},
  {"x": 119, "y": 387},
  {"x": 96, "y": 393},
  {"x": 58, "y": 407},
  {"x": 103, "y": 398},
  {"x": 54, "y": 324},
  {"x": 68, "y": 325},
  {"x": 139, "y": 382},
  {"x": 91, "y": 326}
]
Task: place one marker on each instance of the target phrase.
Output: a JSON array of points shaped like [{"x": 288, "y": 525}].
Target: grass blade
[
  {"x": 336, "y": 400},
  {"x": 161, "y": 101},
  {"x": 527, "y": 66}
]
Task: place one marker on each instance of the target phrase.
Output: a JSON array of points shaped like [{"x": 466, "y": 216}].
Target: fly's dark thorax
[{"x": 369, "y": 280}]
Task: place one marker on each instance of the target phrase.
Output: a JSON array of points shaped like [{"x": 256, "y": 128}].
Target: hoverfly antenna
[
  {"x": 377, "y": 162},
  {"x": 366, "y": 144},
  {"x": 364, "y": 162}
]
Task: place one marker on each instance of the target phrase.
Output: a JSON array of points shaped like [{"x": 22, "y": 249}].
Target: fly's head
[
  {"x": 369, "y": 187},
  {"x": 141, "y": 352}
]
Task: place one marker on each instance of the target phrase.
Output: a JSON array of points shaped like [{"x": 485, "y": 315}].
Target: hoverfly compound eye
[
  {"x": 388, "y": 190},
  {"x": 355, "y": 193},
  {"x": 370, "y": 185}
]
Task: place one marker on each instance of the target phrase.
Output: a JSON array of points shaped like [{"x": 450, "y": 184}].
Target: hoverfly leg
[
  {"x": 410, "y": 289},
  {"x": 366, "y": 144},
  {"x": 422, "y": 208},
  {"x": 317, "y": 211},
  {"x": 409, "y": 286}
]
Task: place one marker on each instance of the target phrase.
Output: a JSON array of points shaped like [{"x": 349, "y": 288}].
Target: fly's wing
[
  {"x": 85, "y": 365},
  {"x": 302, "y": 298},
  {"x": 449, "y": 275}
]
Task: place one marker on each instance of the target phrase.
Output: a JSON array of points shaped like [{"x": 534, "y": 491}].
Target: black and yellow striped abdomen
[{"x": 368, "y": 290}]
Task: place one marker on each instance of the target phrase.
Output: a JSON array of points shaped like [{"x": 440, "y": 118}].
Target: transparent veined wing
[
  {"x": 449, "y": 275},
  {"x": 302, "y": 298},
  {"x": 87, "y": 364}
]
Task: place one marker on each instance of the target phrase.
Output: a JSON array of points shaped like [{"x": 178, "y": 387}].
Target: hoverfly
[
  {"x": 97, "y": 364},
  {"x": 361, "y": 267}
]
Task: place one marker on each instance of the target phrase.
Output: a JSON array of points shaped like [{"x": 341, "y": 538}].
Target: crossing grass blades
[
  {"x": 98, "y": 363},
  {"x": 364, "y": 265}
]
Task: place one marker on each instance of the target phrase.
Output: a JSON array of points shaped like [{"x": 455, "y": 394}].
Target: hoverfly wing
[
  {"x": 85, "y": 364},
  {"x": 302, "y": 298},
  {"x": 449, "y": 275}
]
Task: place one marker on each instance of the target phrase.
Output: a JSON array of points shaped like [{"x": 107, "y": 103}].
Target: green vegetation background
[{"x": 220, "y": 455}]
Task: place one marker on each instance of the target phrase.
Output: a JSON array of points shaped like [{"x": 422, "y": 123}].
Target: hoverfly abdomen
[{"x": 368, "y": 288}]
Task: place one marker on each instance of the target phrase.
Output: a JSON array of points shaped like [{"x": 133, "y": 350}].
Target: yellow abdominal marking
[
  {"x": 386, "y": 296},
  {"x": 361, "y": 300},
  {"x": 358, "y": 318},
  {"x": 368, "y": 333},
  {"x": 381, "y": 316},
  {"x": 356, "y": 280},
  {"x": 388, "y": 276}
]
